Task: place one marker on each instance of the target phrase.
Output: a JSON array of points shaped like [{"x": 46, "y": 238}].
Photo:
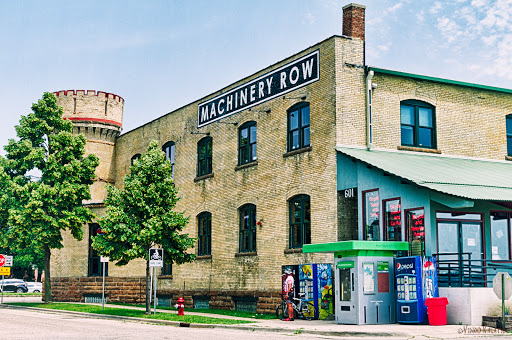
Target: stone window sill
[
  {"x": 200, "y": 178},
  {"x": 203, "y": 257},
  {"x": 298, "y": 151},
  {"x": 252, "y": 253},
  {"x": 165, "y": 277},
  {"x": 415, "y": 149},
  {"x": 246, "y": 165},
  {"x": 293, "y": 251}
]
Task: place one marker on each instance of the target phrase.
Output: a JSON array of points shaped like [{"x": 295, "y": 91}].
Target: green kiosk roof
[{"x": 357, "y": 248}]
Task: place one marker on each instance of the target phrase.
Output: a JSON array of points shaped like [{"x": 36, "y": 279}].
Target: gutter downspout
[{"x": 369, "y": 141}]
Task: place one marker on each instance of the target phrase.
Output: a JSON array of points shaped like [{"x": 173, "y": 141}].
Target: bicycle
[{"x": 304, "y": 309}]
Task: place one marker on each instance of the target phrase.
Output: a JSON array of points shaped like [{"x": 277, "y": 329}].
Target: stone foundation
[
  {"x": 266, "y": 302},
  {"x": 117, "y": 289}
]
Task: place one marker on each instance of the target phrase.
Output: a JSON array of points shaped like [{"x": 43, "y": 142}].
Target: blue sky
[{"x": 161, "y": 55}]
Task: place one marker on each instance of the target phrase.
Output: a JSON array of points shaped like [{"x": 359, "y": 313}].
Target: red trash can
[{"x": 436, "y": 310}]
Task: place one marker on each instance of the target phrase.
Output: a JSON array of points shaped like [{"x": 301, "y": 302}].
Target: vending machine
[
  {"x": 416, "y": 280},
  {"x": 315, "y": 281}
]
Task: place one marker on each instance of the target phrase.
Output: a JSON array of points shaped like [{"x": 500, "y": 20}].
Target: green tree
[
  {"x": 47, "y": 179},
  {"x": 142, "y": 215}
]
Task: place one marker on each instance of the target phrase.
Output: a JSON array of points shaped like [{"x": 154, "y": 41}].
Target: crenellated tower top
[{"x": 99, "y": 117}]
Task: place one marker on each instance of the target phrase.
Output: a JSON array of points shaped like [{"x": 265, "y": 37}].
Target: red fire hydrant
[{"x": 181, "y": 306}]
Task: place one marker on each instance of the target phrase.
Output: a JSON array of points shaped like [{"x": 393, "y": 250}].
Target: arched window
[
  {"x": 169, "y": 148},
  {"x": 247, "y": 214},
  {"x": 300, "y": 221},
  {"x": 298, "y": 127},
  {"x": 134, "y": 158},
  {"x": 204, "y": 234},
  {"x": 417, "y": 124},
  {"x": 247, "y": 143},
  {"x": 204, "y": 156}
]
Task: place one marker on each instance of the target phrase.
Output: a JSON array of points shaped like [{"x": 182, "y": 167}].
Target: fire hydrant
[{"x": 181, "y": 306}]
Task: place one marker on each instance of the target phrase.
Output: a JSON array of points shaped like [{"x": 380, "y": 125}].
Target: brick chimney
[{"x": 353, "y": 21}]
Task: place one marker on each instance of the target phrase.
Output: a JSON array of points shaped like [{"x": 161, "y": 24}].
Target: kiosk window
[
  {"x": 345, "y": 284},
  {"x": 371, "y": 215}
]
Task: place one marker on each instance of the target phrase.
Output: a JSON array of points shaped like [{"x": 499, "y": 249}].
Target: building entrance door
[{"x": 460, "y": 243}]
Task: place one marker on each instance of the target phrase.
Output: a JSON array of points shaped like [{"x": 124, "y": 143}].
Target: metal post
[
  {"x": 503, "y": 301},
  {"x": 2, "y": 290},
  {"x": 154, "y": 298},
  {"x": 150, "y": 286},
  {"x": 103, "y": 291}
]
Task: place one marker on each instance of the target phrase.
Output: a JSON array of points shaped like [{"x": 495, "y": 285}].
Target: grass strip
[
  {"x": 228, "y": 312},
  {"x": 75, "y": 307}
]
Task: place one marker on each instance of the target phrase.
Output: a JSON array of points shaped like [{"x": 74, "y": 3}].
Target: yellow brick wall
[
  {"x": 268, "y": 185},
  {"x": 470, "y": 122}
]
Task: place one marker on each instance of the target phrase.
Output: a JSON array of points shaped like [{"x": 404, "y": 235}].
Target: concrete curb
[{"x": 198, "y": 325}]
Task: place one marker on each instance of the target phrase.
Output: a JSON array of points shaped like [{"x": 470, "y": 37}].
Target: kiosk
[{"x": 364, "y": 280}]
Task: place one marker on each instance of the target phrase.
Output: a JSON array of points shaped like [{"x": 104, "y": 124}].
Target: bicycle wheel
[
  {"x": 309, "y": 311},
  {"x": 282, "y": 311}
]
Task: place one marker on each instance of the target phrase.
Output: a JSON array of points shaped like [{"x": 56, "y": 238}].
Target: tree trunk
[
  {"x": 148, "y": 284},
  {"x": 47, "y": 277}
]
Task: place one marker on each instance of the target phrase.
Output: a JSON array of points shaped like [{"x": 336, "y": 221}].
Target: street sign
[
  {"x": 104, "y": 259},
  {"x": 497, "y": 285},
  {"x": 2, "y": 260},
  {"x": 8, "y": 261},
  {"x": 5, "y": 270},
  {"x": 156, "y": 257}
]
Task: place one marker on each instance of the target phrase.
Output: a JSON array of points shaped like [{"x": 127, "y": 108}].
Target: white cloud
[
  {"x": 449, "y": 29},
  {"x": 309, "y": 18},
  {"x": 420, "y": 16},
  {"x": 436, "y": 8},
  {"x": 478, "y": 3},
  {"x": 393, "y": 9}
]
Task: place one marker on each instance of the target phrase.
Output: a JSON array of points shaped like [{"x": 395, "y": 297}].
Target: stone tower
[{"x": 99, "y": 117}]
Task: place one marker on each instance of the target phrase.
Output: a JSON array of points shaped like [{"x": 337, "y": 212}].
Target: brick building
[{"x": 263, "y": 166}]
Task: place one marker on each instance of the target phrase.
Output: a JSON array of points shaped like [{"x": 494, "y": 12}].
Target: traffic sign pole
[
  {"x": 103, "y": 289},
  {"x": 502, "y": 300}
]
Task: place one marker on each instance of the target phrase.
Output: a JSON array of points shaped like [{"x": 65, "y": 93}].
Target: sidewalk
[{"x": 318, "y": 327}]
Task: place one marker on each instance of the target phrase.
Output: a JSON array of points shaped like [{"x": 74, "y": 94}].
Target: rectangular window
[
  {"x": 247, "y": 228},
  {"x": 298, "y": 127},
  {"x": 509, "y": 134},
  {"x": 204, "y": 153},
  {"x": 417, "y": 124},
  {"x": 95, "y": 267},
  {"x": 167, "y": 268},
  {"x": 204, "y": 221},
  {"x": 300, "y": 221},
  {"x": 371, "y": 210},
  {"x": 247, "y": 143},
  {"x": 393, "y": 219},
  {"x": 500, "y": 235},
  {"x": 415, "y": 224}
]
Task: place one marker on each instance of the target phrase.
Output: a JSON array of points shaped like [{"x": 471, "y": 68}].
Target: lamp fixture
[
  {"x": 301, "y": 97},
  {"x": 263, "y": 111},
  {"x": 232, "y": 123},
  {"x": 199, "y": 133}
]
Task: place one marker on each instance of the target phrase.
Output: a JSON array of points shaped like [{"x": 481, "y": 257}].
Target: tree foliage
[
  {"x": 38, "y": 209},
  {"x": 141, "y": 215}
]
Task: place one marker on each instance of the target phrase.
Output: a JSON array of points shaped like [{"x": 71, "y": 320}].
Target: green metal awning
[
  {"x": 463, "y": 177},
  {"x": 357, "y": 248}
]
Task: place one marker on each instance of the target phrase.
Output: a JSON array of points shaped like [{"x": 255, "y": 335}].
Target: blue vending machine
[{"x": 416, "y": 280}]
